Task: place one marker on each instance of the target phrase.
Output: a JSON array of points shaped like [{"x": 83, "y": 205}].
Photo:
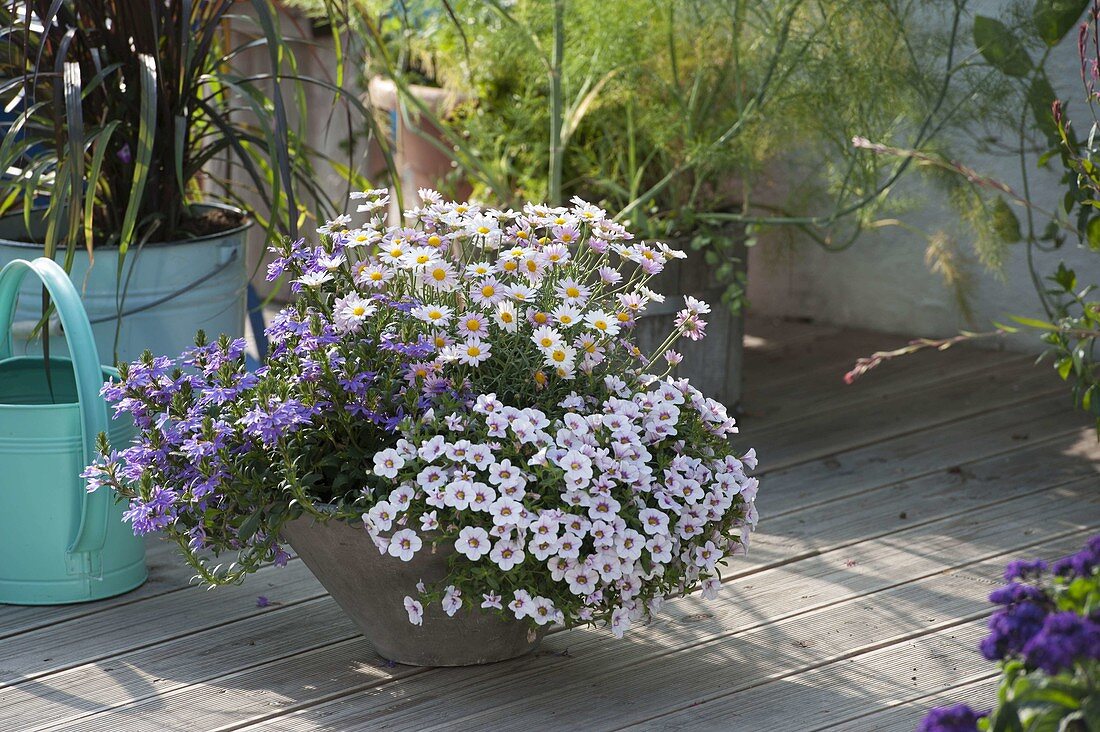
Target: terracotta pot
[
  {"x": 420, "y": 164},
  {"x": 371, "y": 588}
]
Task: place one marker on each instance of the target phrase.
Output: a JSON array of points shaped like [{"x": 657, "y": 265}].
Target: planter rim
[
  {"x": 384, "y": 93},
  {"x": 246, "y": 223}
]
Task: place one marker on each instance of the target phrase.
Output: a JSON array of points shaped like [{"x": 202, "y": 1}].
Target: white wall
[{"x": 882, "y": 282}]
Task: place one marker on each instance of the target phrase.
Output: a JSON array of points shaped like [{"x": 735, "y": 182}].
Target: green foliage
[
  {"x": 1001, "y": 47},
  {"x": 121, "y": 108}
]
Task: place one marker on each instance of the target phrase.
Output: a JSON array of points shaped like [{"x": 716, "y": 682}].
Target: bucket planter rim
[{"x": 246, "y": 223}]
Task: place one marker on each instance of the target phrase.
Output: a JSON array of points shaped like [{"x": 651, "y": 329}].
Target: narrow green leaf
[
  {"x": 1000, "y": 47},
  {"x": 1034, "y": 323},
  {"x": 1005, "y": 223},
  {"x": 144, "y": 154},
  {"x": 74, "y": 122},
  {"x": 1092, "y": 233},
  {"x": 100, "y": 145},
  {"x": 1040, "y": 97}
]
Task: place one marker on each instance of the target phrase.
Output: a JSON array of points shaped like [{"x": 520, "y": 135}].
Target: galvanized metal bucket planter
[
  {"x": 58, "y": 543},
  {"x": 169, "y": 290},
  {"x": 371, "y": 587}
]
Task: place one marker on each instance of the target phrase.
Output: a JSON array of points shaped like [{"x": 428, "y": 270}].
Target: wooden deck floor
[{"x": 889, "y": 509}]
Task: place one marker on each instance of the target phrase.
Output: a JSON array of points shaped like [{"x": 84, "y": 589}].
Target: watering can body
[{"x": 58, "y": 543}]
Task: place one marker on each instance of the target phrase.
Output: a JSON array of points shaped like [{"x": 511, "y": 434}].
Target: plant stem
[{"x": 556, "y": 151}]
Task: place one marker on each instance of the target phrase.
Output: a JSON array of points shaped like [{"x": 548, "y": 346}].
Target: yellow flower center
[
  {"x": 473, "y": 324},
  {"x": 558, "y": 356},
  {"x": 483, "y": 230},
  {"x": 546, "y": 341},
  {"x": 600, "y": 324},
  {"x": 565, "y": 319},
  {"x": 376, "y": 276},
  {"x": 505, "y": 316},
  {"x": 540, "y": 378},
  {"x": 559, "y": 221},
  {"x": 473, "y": 351},
  {"x": 434, "y": 241},
  {"x": 522, "y": 235},
  {"x": 358, "y": 310},
  {"x": 623, "y": 317},
  {"x": 439, "y": 274},
  {"x": 423, "y": 259},
  {"x": 435, "y": 315},
  {"x": 510, "y": 266},
  {"x": 488, "y": 291},
  {"x": 572, "y": 292}
]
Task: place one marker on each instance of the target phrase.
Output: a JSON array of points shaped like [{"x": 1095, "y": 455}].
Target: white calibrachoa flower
[{"x": 620, "y": 515}]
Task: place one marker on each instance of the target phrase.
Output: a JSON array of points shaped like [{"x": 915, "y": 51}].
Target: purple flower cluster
[
  {"x": 1044, "y": 620},
  {"x": 1081, "y": 564},
  {"x": 957, "y": 718}
]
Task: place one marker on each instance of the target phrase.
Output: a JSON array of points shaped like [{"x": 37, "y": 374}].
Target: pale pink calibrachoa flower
[{"x": 415, "y": 610}]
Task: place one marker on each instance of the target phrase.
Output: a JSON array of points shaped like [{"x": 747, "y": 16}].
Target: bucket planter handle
[{"x": 91, "y": 531}]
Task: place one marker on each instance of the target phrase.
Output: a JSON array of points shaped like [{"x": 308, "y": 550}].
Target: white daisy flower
[
  {"x": 349, "y": 313},
  {"x": 602, "y": 323},
  {"x": 436, "y": 314},
  {"x": 505, "y": 316},
  {"x": 440, "y": 275},
  {"x": 474, "y": 352},
  {"x": 546, "y": 337}
]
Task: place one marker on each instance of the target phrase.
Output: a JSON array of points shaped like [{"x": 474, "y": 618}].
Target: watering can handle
[{"x": 91, "y": 533}]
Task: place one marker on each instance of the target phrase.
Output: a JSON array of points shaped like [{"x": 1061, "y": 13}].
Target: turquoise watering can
[{"x": 58, "y": 543}]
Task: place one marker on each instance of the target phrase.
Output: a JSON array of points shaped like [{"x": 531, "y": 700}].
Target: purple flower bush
[
  {"x": 467, "y": 379},
  {"x": 1045, "y": 633}
]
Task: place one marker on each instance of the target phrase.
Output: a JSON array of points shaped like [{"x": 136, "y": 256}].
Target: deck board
[{"x": 889, "y": 507}]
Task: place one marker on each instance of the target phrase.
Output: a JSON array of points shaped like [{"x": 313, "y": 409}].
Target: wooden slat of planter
[
  {"x": 1019, "y": 471},
  {"x": 858, "y": 423},
  {"x": 706, "y": 649},
  {"x": 750, "y": 604},
  {"x": 980, "y": 694},
  {"x": 157, "y": 619}
]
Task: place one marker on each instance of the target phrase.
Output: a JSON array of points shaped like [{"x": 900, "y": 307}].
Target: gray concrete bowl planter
[{"x": 371, "y": 587}]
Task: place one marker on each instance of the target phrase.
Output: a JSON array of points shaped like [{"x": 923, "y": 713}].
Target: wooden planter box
[{"x": 713, "y": 364}]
